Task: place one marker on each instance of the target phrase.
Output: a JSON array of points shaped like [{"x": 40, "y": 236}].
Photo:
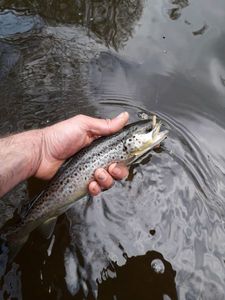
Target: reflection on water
[
  {"x": 178, "y": 5},
  {"x": 148, "y": 277},
  {"x": 111, "y": 21},
  {"x": 173, "y": 201},
  {"x": 12, "y": 23},
  {"x": 201, "y": 30}
]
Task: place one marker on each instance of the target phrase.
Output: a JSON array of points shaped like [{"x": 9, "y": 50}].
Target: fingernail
[
  {"x": 116, "y": 171},
  {"x": 95, "y": 189},
  {"x": 122, "y": 115},
  {"x": 102, "y": 175}
]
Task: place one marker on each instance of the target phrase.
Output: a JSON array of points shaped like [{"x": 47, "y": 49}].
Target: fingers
[
  {"x": 99, "y": 127},
  {"x": 104, "y": 180},
  {"x": 94, "y": 188},
  {"x": 118, "y": 171}
]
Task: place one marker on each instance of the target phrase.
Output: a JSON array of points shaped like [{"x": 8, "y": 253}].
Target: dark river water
[{"x": 160, "y": 234}]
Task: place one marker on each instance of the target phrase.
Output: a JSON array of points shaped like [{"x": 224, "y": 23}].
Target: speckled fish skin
[{"x": 71, "y": 181}]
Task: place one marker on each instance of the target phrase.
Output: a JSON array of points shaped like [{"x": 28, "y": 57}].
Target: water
[{"x": 61, "y": 58}]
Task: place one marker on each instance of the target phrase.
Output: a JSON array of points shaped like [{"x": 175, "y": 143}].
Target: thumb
[{"x": 99, "y": 127}]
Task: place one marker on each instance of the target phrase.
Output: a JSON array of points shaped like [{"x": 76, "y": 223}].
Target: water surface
[{"x": 61, "y": 58}]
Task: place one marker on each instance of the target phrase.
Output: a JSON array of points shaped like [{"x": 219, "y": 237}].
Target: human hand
[{"x": 64, "y": 139}]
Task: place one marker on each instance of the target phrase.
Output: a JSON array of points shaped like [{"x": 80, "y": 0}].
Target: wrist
[
  {"x": 33, "y": 152},
  {"x": 20, "y": 157},
  {"x": 47, "y": 162}
]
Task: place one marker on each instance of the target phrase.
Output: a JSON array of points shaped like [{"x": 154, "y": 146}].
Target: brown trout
[{"x": 71, "y": 181}]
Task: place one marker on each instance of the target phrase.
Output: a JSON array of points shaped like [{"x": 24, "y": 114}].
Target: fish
[{"x": 71, "y": 181}]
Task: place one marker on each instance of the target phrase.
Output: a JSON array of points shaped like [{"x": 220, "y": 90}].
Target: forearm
[{"x": 20, "y": 157}]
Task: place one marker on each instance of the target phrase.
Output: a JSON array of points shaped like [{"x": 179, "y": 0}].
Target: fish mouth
[
  {"x": 151, "y": 138},
  {"x": 158, "y": 136}
]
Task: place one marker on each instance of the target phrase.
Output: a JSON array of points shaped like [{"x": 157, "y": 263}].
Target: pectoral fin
[
  {"x": 46, "y": 229},
  {"x": 130, "y": 160}
]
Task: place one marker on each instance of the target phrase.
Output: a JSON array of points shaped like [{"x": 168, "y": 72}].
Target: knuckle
[
  {"x": 109, "y": 182},
  {"x": 109, "y": 125},
  {"x": 79, "y": 117}
]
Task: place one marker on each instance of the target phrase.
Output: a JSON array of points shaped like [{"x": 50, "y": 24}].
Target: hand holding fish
[
  {"x": 64, "y": 139},
  {"x": 41, "y": 152}
]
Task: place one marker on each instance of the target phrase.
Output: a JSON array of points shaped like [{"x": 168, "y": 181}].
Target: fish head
[{"x": 144, "y": 136}]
